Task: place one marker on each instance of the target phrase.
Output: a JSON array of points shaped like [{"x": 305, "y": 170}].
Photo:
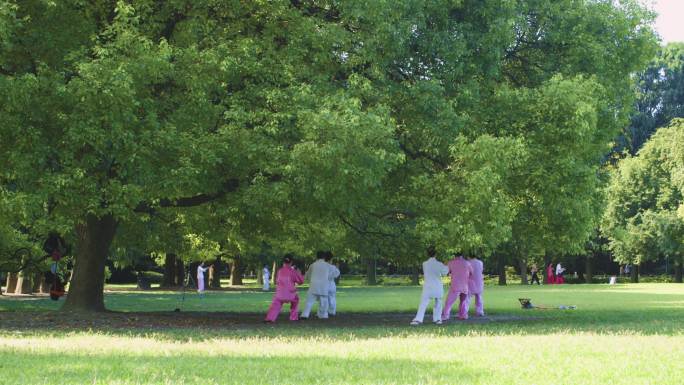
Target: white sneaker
[
  {"x": 415, "y": 323},
  {"x": 439, "y": 322}
]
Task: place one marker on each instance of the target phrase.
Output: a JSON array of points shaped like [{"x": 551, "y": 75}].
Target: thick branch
[
  {"x": 395, "y": 214},
  {"x": 418, "y": 154},
  {"x": 365, "y": 232},
  {"x": 231, "y": 185}
]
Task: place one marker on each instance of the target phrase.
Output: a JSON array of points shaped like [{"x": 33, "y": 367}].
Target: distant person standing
[
  {"x": 535, "y": 277},
  {"x": 266, "y": 278},
  {"x": 476, "y": 286},
  {"x": 201, "y": 269},
  {"x": 433, "y": 270},
  {"x": 550, "y": 277},
  {"x": 286, "y": 291},
  {"x": 559, "y": 274},
  {"x": 461, "y": 272}
]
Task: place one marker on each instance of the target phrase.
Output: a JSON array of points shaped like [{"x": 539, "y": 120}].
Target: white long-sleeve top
[
  {"x": 267, "y": 274},
  {"x": 433, "y": 270},
  {"x": 319, "y": 274},
  {"x": 559, "y": 269},
  {"x": 200, "y": 272}
]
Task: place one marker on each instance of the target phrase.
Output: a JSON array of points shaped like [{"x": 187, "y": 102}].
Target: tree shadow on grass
[
  {"x": 207, "y": 325},
  {"x": 228, "y": 314},
  {"x": 193, "y": 368}
]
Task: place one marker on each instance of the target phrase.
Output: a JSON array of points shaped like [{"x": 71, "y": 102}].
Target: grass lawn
[{"x": 622, "y": 334}]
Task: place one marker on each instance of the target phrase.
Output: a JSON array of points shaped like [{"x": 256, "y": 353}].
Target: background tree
[
  {"x": 659, "y": 97},
  {"x": 643, "y": 215}
]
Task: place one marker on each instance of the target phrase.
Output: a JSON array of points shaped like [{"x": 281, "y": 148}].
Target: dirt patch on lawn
[{"x": 67, "y": 321}]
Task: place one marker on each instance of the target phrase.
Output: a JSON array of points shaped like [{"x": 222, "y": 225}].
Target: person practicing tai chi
[
  {"x": 266, "y": 278},
  {"x": 286, "y": 292},
  {"x": 201, "y": 269},
  {"x": 550, "y": 277},
  {"x": 433, "y": 270},
  {"x": 460, "y": 271},
  {"x": 319, "y": 275},
  {"x": 332, "y": 288},
  {"x": 560, "y": 270},
  {"x": 476, "y": 286},
  {"x": 535, "y": 278}
]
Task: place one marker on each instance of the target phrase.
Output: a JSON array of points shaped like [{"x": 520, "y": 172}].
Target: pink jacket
[
  {"x": 476, "y": 281},
  {"x": 286, "y": 281},
  {"x": 461, "y": 271}
]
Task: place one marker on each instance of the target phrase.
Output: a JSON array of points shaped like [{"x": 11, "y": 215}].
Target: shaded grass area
[
  {"x": 641, "y": 308},
  {"x": 622, "y": 334}
]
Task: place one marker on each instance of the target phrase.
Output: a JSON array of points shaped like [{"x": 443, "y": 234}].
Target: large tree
[
  {"x": 300, "y": 121},
  {"x": 127, "y": 108},
  {"x": 567, "y": 92}
]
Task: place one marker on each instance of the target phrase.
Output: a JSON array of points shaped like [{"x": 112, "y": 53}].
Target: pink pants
[
  {"x": 479, "y": 305},
  {"x": 462, "y": 306},
  {"x": 277, "y": 304}
]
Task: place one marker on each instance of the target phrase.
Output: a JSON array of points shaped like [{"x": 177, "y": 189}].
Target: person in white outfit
[
  {"x": 433, "y": 270},
  {"x": 200, "y": 278},
  {"x": 332, "y": 288},
  {"x": 560, "y": 270},
  {"x": 319, "y": 275},
  {"x": 266, "y": 277}
]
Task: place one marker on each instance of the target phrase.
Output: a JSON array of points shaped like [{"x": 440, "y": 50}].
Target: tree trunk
[
  {"x": 371, "y": 279},
  {"x": 415, "y": 275},
  {"x": 260, "y": 276},
  {"x": 588, "y": 269},
  {"x": 44, "y": 284},
  {"x": 236, "y": 271},
  {"x": 678, "y": 269},
  {"x": 274, "y": 272},
  {"x": 180, "y": 272},
  {"x": 523, "y": 271},
  {"x": 11, "y": 283},
  {"x": 169, "y": 278},
  {"x": 634, "y": 274},
  {"x": 38, "y": 282},
  {"x": 215, "y": 274},
  {"x": 24, "y": 285},
  {"x": 501, "y": 268},
  {"x": 545, "y": 277},
  {"x": 86, "y": 289}
]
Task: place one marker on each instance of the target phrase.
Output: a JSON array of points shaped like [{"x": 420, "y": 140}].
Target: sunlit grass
[{"x": 624, "y": 334}]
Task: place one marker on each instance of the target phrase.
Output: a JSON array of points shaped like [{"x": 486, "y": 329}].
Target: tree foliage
[
  {"x": 659, "y": 97},
  {"x": 368, "y": 127},
  {"x": 644, "y": 218}
]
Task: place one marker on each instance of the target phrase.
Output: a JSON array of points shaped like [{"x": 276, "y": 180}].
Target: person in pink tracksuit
[
  {"x": 288, "y": 276},
  {"x": 460, "y": 271},
  {"x": 476, "y": 286}
]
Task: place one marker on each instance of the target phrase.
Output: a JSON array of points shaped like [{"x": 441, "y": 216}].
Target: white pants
[
  {"x": 322, "y": 305},
  {"x": 266, "y": 284},
  {"x": 332, "y": 302},
  {"x": 436, "y": 311}
]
